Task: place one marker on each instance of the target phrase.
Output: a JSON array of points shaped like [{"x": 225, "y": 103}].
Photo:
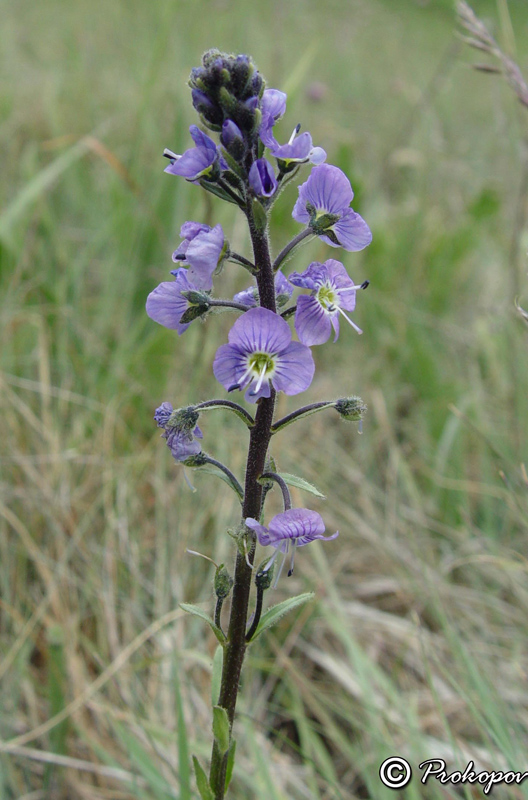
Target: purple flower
[
  {"x": 203, "y": 249},
  {"x": 198, "y": 162},
  {"x": 182, "y": 435},
  {"x": 166, "y": 304},
  {"x": 249, "y": 296},
  {"x": 298, "y": 150},
  {"x": 260, "y": 353},
  {"x": 272, "y": 106},
  {"x": 162, "y": 414},
  {"x": 332, "y": 291},
  {"x": 297, "y": 526},
  {"x": 324, "y": 204},
  {"x": 183, "y": 444},
  {"x": 262, "y": 178}
]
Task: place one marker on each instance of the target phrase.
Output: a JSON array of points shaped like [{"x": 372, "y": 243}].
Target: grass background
[{"x": 416, "y": 643}]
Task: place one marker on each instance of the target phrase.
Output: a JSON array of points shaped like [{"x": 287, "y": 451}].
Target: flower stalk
[{"x": 261, "y": 356}]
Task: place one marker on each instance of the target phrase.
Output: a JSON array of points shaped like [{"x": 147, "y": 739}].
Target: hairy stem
[
  {"x": 259, "y": 438},
  {"x": 283, "y": 487},
  {"x": 301, "y": 237}
]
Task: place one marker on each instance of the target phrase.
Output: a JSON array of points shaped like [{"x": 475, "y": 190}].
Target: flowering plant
[{"x": 260, "y": 358}]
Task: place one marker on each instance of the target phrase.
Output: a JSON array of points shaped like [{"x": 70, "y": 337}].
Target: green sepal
[
  {"x": 321, "y": 224},
  {"x": 193, "y": 312},
  {"x": 216, "y": 676},
  {"x": 198, "y": 612},
  {"x": 330, "y": 235},
  {"x": 275, "y": 613},
  {"x": 233, "y": 165},
  {"x": 300, "y": 483},
  {"x": 259, "y": 215},
  {"x": 196, "y": 298},
  {"x": 206, "y": 793},
  {"x": 221, "y": 730},
  {"x": 230, "y": 764}
]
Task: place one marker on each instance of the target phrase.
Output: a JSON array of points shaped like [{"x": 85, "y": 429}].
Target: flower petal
[
  {"x": 296, "y": 524},
  {"x": 165, "y": 305},
  {"x": 352, "y": 232},
  {"x": 260, "y": 530},
  {"x": 229, "y": 365},
  {"x": 294, "y": 369},
  {"x": 327, "y": 189},
  {"x": 260, "y": 330},
  {"x": 311, "y": 322}
]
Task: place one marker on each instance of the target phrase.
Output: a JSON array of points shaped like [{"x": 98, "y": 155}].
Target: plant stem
[
  {"x": 291, "y": 246},
  {"x": 234, "y": 407},
  {"x": 259, "y": 438},
  {"x": 215, "y": 303},
  {"x": 283, "y": 487}
]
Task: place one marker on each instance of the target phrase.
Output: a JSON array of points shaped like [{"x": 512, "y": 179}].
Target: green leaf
[
  {"x": 275, "y": 613},
  {"x": 184, "y": 770},
  {"x": 211, "y": 470},
  {"x": 216, "y": 190},
  {"x": 230, "y": 764},
  {"x": 205, "y": 790},
  {"x": 259, "y": 215},
  {"x": 300, "y": 483},
  {"x": 198, "y": 612},
  {"x": 221, "y": 728},
  {"x": 216, "y": 678}
]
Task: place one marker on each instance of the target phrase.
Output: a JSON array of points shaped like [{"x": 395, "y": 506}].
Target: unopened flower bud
[
  {"x": 194, "y": 461},
  {"x": 183, "y": 419},
  {"x": 351, "y": 408},
  {"x": 222, "y": 582},
  {"x": 264, "y": 575}
]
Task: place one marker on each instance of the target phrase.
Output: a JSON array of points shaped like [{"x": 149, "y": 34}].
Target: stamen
[
  {"x": 275, "y": 582},
  {"x": 248, "y": 371},
  {"x": 271, "y": 561},
  {"x": 353, "y": 288},
  {"x": 292, "y": 559},
  {"x": 187, "y": 481},
  {"x": 295, "y": 132},
  {"x": 349, "y": 320},
  {"x": 260, "y": 379},
  {"x": 170, "y": 155},
  {"x": 248, "y": 562}
]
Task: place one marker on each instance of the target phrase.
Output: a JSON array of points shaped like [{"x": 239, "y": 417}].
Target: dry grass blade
[{"x": 481, "y": 39}]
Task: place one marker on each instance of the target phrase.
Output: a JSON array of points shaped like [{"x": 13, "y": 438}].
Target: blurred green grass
[{"x": 417, "y": 642}]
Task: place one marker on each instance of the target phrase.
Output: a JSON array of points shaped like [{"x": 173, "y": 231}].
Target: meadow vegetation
[{"x": 416, "y": 643}]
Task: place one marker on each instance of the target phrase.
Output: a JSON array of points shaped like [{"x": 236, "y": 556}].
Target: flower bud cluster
[{"x": 226, "y": 91}]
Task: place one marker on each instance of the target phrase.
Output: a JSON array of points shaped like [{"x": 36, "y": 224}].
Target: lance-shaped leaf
[
  {"x": 230, "y": 764},
  {"x": 198, "y": 612},
  {"x": 275, "y": 613},
  {"x": 216, "y": 677},
  {"x": 221, "y": 728},
  {"x": 206, "y": 793},
  {"x": 300, "y": 483}
]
